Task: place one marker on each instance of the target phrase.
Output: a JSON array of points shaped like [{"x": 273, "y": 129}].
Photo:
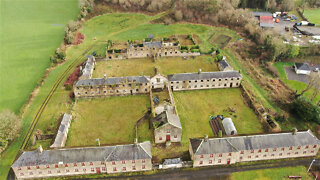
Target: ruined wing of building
[
  {"x": 230, "y": 150},
  {"x": 88, "y": 160},
  {"x": 148, "y": 49}
]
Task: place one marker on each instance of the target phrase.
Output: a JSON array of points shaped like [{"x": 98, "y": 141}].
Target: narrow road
[{"x": 218, "y": 172}]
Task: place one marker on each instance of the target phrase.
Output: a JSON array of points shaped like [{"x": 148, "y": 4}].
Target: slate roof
[
  {"x": 87, "y": 70},
  {"x": 112, "y": 80},
  {"x": 204, "y": 75},
  {"x": 224, "y": 64},
  {"x": 303, "y": 66},
  {"x": 168, "y": 116},
  {"x": 172, "y": 161},
  {"x": 62, "y": 132},
  {"x": 131, "y": 152},
  {"x": 86, "y": 154},
  {"x": 234, "y": 144},
  {"x": 259, "y": 13},
  {"x": 156, "y": 44}
]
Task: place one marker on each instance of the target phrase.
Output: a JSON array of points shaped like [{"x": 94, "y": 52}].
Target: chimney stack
[
  {"x": 199, "y": 71},
  {"x": 105, "y": 76},
  {"x": 295, "y": 130},
  {"x": 206, "y": 138},
  {"x": 40, "y": 149}
]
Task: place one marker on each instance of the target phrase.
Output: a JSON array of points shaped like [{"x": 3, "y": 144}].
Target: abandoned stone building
[
  {"x": 62, "y": 133},
  {"x": 204, "y": 80},
  {"x": 149, "y": 49},
  {"x": 158, "y": 82},
  {"x": 86, "y": 72},
  {"x": 230, "y": 150},
  {"x": 167, "y": 126},
  {"x": 112, "y": 86},
  {"x": 88, "y": 160}
]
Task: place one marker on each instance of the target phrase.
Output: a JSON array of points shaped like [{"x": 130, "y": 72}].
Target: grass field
[
  {"x": 170, "y": 65},
  {"x": 112, "y": 120},
  {"x": 272, "y": 174},
  {"x": 313, "y": 15},
  {"x": 195, "y": 107},
  {"x": 30, "y": 33}
]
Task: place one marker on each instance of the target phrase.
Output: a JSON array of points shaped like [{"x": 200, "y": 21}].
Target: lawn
[
  {"x": 112, "y": 120},
  {"x": 30, "y": 33},
  {"x": 195, "y": 107},
  {"x": 168, "y": 65},
  {"x": 272, "y": 174},
  {"x": 313, "y": 15}
]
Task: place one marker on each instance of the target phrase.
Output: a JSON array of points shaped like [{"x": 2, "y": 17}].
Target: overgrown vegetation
[{"x": 9, "y": 128}]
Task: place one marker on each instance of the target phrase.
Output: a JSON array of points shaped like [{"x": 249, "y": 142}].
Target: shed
[
  {"x": 172, "y": 163},
  {"x": 229, "y": 127}
]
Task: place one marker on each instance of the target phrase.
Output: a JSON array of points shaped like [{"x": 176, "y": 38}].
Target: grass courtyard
[
  {"x": 169, "y": 65},
  {"x": 272, "y": 174},
  {"x": 112, "y": 120}
]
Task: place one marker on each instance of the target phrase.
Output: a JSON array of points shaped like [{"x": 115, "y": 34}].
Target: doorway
[{"x": 168, "y": 137}]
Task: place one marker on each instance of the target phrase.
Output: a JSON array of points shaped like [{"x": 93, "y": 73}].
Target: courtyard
[
  {"x": 167, "y": 65},
  {"x": 111, "y": 119}
]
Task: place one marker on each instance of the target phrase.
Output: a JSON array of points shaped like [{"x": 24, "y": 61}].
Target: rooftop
[
  {"x": 62, "y": 132},
  {"x": 86, "y": 154},
  {"x": 204, "y": 75},
  {"x": 303, "y": 66},
  {"x": 168, "y": 116},
  {"x": 234, "y": 144},
  {"x": 112, "y": 80},
  {"x": 266, "y": 21},
  {"x": 224, "y": 64},
  {"x": 259, "y": 13}
]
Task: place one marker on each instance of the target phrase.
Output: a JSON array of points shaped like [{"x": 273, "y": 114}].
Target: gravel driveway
[{"x": 291, "y": 75}]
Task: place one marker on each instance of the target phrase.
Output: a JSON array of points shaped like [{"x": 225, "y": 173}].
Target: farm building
[
  {"x": 167, "y": 126},
  {"x": 62, "y": 134},
  {"x": 224, "y": 65},
  {"x": 302, "y": 68},
  {"x": 230, "y": 150},
  {"x": 113, "y": 86},
  {"x": 88, "y": 68},
  {"x": 265, "y": 19},
  {"x": 204, "y": 80},
  {"x": 87, "y": 160},
  {"x": 229, "y": 127}
]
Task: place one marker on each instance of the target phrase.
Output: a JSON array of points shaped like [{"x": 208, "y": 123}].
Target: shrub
[
  {"x": 219, "y": 57},
  {"x": 305, "y": 109},
  {"x": 68, "y": 87}
]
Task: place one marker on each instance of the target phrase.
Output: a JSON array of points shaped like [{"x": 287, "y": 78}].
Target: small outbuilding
[
  {"x": 229, "y": 127},
  {"x": 62, "y": 134},
  {"x": 302, "y": 68},
  {"x": 224, "y": 65}
]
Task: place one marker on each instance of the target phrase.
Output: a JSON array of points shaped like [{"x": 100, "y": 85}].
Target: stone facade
[
  {"x": 90, "y": 160},
  {"x": 158, "y": 81},
  {"x": 167, "y": 126},
  {"x": 113, "y": 86},
  {"x": 62, "y": 133},
  {"x": 204, "y": 80},
  {"x": 230, "y": 150},
  {"x": 149, "y": 49},
  {"x": 88, "y": 68}
]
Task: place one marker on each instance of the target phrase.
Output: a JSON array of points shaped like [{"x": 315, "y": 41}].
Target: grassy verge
[
  {"x": 313, "y": 15},
  {"x": 272, "y": 174}
]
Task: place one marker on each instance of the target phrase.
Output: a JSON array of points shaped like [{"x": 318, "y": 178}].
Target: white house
[{"x": 302, "y": 68}]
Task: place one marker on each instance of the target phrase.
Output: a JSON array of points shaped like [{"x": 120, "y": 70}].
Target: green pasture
[
  {"x": 30, "y": 33},
  {"x": 313, "y": 15}
]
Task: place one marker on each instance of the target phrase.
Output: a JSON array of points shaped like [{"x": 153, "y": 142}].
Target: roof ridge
[
  {"x": 144, "y": 149},
  {"x": 114, "y": 148}
]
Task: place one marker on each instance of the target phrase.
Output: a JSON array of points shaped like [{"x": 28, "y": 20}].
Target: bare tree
[
  {"x": 9, "y": 127},
  {"x": 314, "y": 79}
]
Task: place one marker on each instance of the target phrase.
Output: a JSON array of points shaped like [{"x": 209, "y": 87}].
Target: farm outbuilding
[{"x": 229, "y": 127}]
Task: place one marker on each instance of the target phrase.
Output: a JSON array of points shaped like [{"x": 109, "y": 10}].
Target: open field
[
  {"x": 112, "y": 120},
  {"x": 195, "y": 107},
  {"x": 30, "y": 33},
  {"x": 169, "y": 65},
  {"x": 272, "y": 174},
  {"x": 313, "y": 15}
]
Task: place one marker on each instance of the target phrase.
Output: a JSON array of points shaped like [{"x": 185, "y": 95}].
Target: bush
[
  {"x": 184, "y": 48},
  {"x": 68, "y": 87},
  {"x": 219, "y": 57},
  {"x": 305, "y": 109}
]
